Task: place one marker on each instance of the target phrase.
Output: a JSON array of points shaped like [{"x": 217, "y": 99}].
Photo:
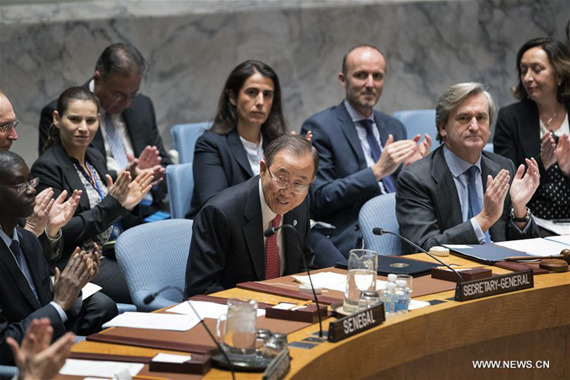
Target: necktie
[
  {"x": 17, "y": 251},
  {"x": 116, "y": 144},
  {"x": 272, "y": 267},
  {"x": 375, "y": 152},
  {"x": 474, "y": 205}
]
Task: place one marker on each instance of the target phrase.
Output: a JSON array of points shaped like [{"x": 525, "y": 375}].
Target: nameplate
[
  {"x": 356, "y": 323},
  {"x": 470, "y": 290}
]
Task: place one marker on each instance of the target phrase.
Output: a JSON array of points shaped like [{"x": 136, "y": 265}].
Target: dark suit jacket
[
  {"x": 220, "y": 161},
  {"x": 18, "y": 306},
  {"x": 344, "y": 181},
  {"x": 55, "y": 169},
  {"x": 141, "y": 126},
  {"x": 428, "y": 207},
  {"x": 227, "y": 240},
  {"x": 517, "y": 136}
]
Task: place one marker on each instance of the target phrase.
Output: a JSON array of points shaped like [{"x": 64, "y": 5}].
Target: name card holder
[
  {"x": 506, "y": 283},
  {"x": 356, "y": 323}
]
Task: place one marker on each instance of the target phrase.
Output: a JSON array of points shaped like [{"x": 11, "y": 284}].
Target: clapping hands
[
  {"x": 129, "y": 193},
  {"x": 148, "y": 162}
]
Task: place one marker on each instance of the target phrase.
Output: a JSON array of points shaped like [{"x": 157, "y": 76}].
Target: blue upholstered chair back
[
  {"x": 180, "y": 182},
  {"x": 419, "y": 122},
  {"x": 380, "y": 212},
  {"x": 184, "y": 138},
  {"x": 7, "y": 372},
  {"x": 153, "y": 256}
]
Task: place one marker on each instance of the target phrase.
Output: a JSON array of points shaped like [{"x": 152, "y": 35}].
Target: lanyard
[{"x": 91, "y": 178}]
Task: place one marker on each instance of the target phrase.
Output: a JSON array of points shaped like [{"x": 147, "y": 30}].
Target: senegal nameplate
[
  {"x": 506, "y": 283},
  {"x": 356, "y": 323}
]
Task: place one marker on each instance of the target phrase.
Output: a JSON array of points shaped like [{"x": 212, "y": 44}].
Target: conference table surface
[{"x": 523, "y": 332}]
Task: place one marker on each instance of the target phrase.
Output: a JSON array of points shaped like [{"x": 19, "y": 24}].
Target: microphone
[
  {"x": 381, "y": 231},
  {"x": 270, "y": 232},
  {"x": 148, "y": 299}
]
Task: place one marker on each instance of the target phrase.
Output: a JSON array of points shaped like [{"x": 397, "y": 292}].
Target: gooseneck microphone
[
  {"x": 148, "y": 299},
  {"x": 381, "y": 231},
  {"x": 270, "y": 232}
]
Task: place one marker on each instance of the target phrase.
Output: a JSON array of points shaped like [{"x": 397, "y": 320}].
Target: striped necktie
[{"x": 272, "y": 266}]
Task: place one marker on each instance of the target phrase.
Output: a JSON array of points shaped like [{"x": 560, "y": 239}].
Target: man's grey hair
[{"x": 453, "y": 97}]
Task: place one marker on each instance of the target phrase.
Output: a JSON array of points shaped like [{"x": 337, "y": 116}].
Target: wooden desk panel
[{"x": 438, "y": 341}]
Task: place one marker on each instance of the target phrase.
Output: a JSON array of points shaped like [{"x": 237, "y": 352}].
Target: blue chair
[
  {"x": 153, "y": 256},
  {"x": 419, "y": 122},
  {"x": 380, "y": 212},
  {"x": 7, "y": 372},
  {"x": 180, "y": 182},
  {"x": 184, "y": 138},
  {"x": 488, "y": 147}
]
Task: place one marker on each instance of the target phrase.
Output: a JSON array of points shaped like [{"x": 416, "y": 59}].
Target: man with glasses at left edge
[
  {"x": 128, "y": 136},
  {"x": 228, "y": 243}
]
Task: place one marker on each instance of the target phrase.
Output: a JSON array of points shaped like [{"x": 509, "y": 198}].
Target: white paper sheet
[
  {"x": 332, "y": 281},
  {"x": 96, "y": 368},
  {"x": 171, "y": 358},
  {"x": 205, "y": 309},
  {"x": 564, "y": 239},
  {"x": 558, "y": 228},
  {"x": 154, "y": 321},
  {"x": 415, "y": 304},
  {"x": 88, "y": 290},
  {"x": 534, "y": 247}
]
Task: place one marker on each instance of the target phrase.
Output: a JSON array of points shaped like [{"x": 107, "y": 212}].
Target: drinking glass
[
  {"x": 237, "y": 329},
  {"x": 362, "y": 267}
]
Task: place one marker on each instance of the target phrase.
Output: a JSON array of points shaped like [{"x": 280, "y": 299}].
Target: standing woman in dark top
[
  {"x": 248, "y": 118},
  {"x": 537, "y": 126},
  {"x": 105, "y": 208}
]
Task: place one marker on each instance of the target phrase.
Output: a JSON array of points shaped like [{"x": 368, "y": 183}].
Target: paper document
[
  {"x": 332, "y": 281},
  {"x": 171, "y": 358},
  {"x": 534, "y": 247},
  {"x": 415, "y": 304},
  {"x": 154, "y": 321},
  {"x": 564, "y": 239},
  {"x": 560, "y": 228},
  {"x": 88, "y": 290},
  {"x": 205, "y": 309},
  {"x": 97, "y": 368}
]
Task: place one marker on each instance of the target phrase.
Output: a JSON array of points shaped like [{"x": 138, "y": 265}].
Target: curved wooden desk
[{"x": 439, "y": 341}]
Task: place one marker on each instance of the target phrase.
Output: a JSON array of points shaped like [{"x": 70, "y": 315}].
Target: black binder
[{"x": 398, "y": 265}]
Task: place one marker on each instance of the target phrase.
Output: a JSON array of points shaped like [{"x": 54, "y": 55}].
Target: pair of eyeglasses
[
  {"x": 23, "y": 186},
  {"x": 283, "y": 184},
  {"x": 7, "y": 126}
]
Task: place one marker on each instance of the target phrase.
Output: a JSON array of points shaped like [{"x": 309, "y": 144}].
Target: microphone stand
[
  {"x": 381, "y": 231},
  {"x": 270, "y": 232},
  {"x": 148, "y": 299}
]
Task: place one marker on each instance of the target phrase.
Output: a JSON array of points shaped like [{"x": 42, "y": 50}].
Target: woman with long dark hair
[
  {"x": 105, "y": 207},
  {"x": 248, "y": 118}
]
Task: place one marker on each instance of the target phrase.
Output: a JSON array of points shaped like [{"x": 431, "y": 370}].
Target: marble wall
[{"x": 191, "y": 46}]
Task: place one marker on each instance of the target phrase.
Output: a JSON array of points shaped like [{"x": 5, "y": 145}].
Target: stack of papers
[
  {"x": 100, "y": 369},
  {"x": 537, "y": 247},
  {"x": 332, "y": 281},
  {"x": 154, "y": 321},
  {"x": 205, "y": 309}
]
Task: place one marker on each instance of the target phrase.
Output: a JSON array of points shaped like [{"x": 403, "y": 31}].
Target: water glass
[
  {"x": 362, "y": 267},
  {"x": 237, "y": 329}
]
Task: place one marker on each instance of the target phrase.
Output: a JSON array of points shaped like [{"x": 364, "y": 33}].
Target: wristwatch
[{"x": 524, "y": 219}]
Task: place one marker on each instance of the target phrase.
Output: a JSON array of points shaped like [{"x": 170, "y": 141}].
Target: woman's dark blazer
[
  {"x": 220, "y": 161},
  {"x": 517, "y": 135},
  {"x": 56, "y": 170}
]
